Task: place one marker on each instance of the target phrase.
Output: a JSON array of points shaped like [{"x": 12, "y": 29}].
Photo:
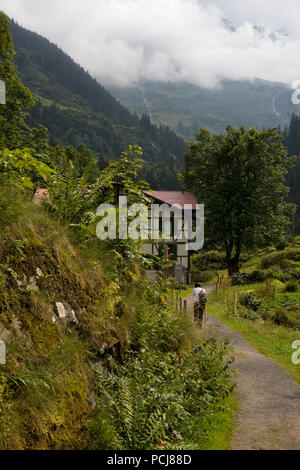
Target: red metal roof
[{"x": 173, "y": 197}]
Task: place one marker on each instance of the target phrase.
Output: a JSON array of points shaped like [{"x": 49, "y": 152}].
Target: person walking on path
[{"x": 200, "y": 299}]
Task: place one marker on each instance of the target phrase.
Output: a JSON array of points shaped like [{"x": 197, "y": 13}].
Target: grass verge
[
  {"x": 221, "y": 426},
  {"x": 272, "y": 340}
]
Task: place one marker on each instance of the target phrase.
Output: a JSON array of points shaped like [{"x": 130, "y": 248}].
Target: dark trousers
[{"x": 199, "y": 309}]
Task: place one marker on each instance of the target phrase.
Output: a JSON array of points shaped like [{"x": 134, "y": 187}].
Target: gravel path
[{"x": 269, "y": 399}]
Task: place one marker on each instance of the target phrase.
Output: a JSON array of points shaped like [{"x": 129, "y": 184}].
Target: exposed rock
[
  {"x": 39, "y": 273},
  {"x": 4, "y": 333},
  {"x": 74, "y": 316},
  {"x": 17, "y": 325},
  {"x": 78, "y": 311},
  {"x": 32, "y": 286},
  {"x": 39, "y": 196},
  {"x": 2, "y": 353},
  {"x": 22, "y": 283},
  {"x": 66, "y": 313},
  {"x": 61, "y": 310},
  {"x": 91, "y": 400}
]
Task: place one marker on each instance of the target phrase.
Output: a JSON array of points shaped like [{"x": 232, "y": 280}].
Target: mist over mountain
[
  {"x": 186, "y": 107},
  {"x": 77, "y": 109},
  {"x": 201, "y": 42}
]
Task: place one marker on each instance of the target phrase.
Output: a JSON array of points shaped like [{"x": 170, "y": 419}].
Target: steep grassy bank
[
  {"x": 95, "y": 357},
  {"x": 76, "y": 109}
]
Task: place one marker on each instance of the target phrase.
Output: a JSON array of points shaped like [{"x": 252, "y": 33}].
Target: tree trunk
[
  {"x": 233, "y": 266},
  {"x": 233, "y": 263}
]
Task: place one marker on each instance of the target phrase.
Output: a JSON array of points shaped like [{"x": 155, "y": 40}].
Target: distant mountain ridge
[
  {"x": 77, "y": 109},
  {"x": 273, "y": 35},
  {"x": 186, "y": 107}
]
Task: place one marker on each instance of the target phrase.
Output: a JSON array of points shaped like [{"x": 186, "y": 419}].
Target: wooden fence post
[{"x": 235, "y": 303}]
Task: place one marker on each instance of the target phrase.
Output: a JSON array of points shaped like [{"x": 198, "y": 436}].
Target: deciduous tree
[{"x": 240, "y": 177}]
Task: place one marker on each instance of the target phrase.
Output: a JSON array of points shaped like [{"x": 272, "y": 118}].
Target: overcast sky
[{"x": 121, "y": 41}]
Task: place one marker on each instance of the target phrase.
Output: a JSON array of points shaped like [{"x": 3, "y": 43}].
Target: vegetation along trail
[{"x": 268, "y": 398}]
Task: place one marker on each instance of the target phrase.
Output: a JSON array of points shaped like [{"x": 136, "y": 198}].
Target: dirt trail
[{"x": 268, "y": 398}]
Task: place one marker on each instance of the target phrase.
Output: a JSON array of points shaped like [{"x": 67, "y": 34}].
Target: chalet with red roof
[{"x": 175, "y": 247}]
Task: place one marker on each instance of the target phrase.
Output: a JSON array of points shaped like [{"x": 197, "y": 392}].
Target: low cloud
[{"x": 123, "y": 41}]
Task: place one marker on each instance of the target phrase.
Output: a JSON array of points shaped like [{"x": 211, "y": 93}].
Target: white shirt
[{"x": 197, "y": 292}]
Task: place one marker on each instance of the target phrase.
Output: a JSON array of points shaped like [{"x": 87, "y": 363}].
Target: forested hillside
[
  {"x": 256, "y": 103},
  {"x": 292, "y": 141},
  {"x": 186, "y": 107},
  {"x": 77, "y": 109}
]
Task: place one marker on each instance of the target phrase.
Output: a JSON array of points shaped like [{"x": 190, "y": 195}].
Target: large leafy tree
[
  {"x": 14, "y": 132},
  {"x": 240, "y": 177}
]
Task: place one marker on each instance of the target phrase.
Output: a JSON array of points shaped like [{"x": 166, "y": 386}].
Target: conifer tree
[{"x": 14, "y": 132}]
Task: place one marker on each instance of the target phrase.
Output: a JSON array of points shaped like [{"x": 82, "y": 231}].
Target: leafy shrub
[
  {"x": 203, "y": 276},
  {"x": 281, "y": 245},
  {"x": 295, "y": 274},
  {"x": 208, "y": 261},
  {"x": 269, "y": 289},
  {"x": 213, "y": 257},
  {"x": 239, "y": 279},
  {"x": 292, "y": 286},
  {"x": 248, "y": 314},
  {"x": 161, "y": 396},
  {"x": 283, "y": 259},
  {"x": 265, "y": 313},
  {"x": 17, "y": 167},
  {"x": 281, "y": 318},
  {"x": 257, "y": 276},
  {"x": 284, "y": 276},
  {"x": 249, "y": 301},
  {"x": 277, "y": 284},
  {"x": 277, "y": 273},
  {"x": 245, "y": 257}
]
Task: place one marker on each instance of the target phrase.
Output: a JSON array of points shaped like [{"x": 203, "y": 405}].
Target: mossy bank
[{"x": 95, "y": 357}]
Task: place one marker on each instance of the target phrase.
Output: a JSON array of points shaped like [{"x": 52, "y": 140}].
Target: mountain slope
[
  {"x": 186, "y": 108},
  {"x": 77, "y": 109}
]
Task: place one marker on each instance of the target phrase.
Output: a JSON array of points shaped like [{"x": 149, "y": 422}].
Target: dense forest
[
  {"x": 186, "y": 107},
  {"x": 292, "y": 142},
  {"x": 77, "y": 109}
]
